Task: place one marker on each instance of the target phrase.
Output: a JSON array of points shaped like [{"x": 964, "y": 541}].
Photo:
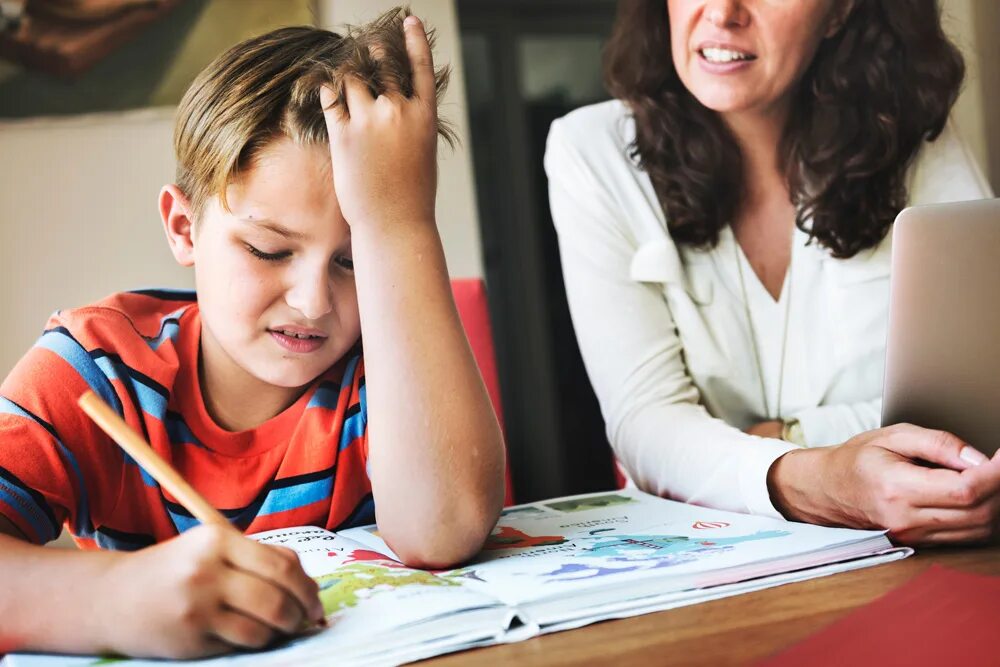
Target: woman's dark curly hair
[{"x": 875, "y": 91}]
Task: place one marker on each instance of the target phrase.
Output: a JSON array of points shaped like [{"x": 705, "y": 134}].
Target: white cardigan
[{"x": 663, "y": 329}]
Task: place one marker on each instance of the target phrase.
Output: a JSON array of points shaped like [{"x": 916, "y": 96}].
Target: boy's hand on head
[
  {"x": 207, "y": 591},
  {"x": 384, "y": 149}
]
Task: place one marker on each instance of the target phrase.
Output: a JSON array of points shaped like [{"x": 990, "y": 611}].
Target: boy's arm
[
  {"x": 435, "y": 448},
  {"x": 46, "y": 600},
  {"x": 202, "y": 593}
]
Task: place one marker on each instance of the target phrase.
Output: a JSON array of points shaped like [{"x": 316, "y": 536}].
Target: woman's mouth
[
  {"x": 718, "y": 55},
  {"x": 723, "y": 58}
]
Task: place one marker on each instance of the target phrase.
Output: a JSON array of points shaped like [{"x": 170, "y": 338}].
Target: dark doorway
[{"x": 528, "y": 62}]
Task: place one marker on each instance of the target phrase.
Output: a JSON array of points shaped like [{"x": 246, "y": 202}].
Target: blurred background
[{"x": 87, "y": 95}]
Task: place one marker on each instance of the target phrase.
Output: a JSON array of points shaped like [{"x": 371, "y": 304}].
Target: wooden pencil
[
  {"x": 158, "y": 469},
  {"x": 151, "y": 462}
]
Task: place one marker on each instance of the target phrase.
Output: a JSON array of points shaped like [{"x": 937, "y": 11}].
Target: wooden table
[{"x": 732, "y": 631}]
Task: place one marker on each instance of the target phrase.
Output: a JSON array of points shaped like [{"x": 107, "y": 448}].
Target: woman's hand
[
  {"x": 879, "y": 480},
  {"x": 384, "y": 150},
  {"x": 205, "y": 592}
]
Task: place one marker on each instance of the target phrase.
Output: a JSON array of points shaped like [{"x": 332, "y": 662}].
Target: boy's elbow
[
  {"x": 442, "y": 558},
  {"x": 430, "y": 558},
  {"x": 448, "y": 544}
]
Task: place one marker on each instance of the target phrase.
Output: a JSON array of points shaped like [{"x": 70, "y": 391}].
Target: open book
[{"x": 547, "y": 566}]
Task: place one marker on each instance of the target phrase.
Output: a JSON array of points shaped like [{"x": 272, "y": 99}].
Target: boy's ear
[{"x": 178, "y": 223}]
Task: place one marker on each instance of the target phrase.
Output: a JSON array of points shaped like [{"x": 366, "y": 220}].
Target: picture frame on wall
[{"x": 67, "y": 57}]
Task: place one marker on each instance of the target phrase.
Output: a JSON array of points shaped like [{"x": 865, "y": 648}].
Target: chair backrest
[{"x": 470, "y": 298}]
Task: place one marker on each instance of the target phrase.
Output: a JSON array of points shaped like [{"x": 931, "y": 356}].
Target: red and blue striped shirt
[{"x": 139, "y": 352}]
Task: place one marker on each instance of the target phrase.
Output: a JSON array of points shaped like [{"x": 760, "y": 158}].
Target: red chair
[
  {"x": 470, "y": 297},
  {"x": 620, "y": 479}
]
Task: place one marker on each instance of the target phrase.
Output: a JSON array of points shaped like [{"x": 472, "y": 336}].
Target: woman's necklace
[{"x": 753, "y": 331}]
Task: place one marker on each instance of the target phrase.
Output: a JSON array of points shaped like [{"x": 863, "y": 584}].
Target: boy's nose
[{"x": 313, "y": 298}]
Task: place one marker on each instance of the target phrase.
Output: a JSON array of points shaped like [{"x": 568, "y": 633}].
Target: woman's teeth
[{"x": 713, "y": 55}]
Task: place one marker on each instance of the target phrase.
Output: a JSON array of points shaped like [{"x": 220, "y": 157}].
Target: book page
[
  {"x": 565, "y": 547},
  {"x": 364, "y": 592}
]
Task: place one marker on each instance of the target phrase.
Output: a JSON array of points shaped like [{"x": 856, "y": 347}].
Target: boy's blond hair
[{"x": 268, "y": 87}]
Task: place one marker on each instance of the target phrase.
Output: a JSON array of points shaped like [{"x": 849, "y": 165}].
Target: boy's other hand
[
  {"x": 205, "y": 592},
  {"x": 384, "y": 149}
]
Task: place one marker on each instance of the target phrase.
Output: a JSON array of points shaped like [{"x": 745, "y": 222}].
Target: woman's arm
[
  {"x": 671, "y": 446},
  {"x": 666, "y": 440}
]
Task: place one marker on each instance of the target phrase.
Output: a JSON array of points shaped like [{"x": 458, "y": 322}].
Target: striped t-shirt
[{"x": 139, "y": 352}]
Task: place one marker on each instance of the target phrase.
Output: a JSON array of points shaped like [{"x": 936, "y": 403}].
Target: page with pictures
[
  {"x": 628, "y": 549},
  {"x": 379, "y": 611}
]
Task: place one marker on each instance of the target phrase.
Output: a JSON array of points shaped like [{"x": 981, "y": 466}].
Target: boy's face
[{"x": 274, "y": 275}]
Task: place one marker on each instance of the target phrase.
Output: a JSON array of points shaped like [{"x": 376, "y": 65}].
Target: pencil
[{"x": 151, "y": 462}]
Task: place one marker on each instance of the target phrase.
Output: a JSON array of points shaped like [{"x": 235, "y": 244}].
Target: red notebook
[{"x": 940, "y": 617}]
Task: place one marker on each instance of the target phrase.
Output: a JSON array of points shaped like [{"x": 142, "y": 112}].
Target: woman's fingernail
[
  {"x": 972, "y": 455},
  {"x": 411, "y": 20}
]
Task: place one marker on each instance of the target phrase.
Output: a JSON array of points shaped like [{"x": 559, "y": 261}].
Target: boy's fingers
[
  {"x": 263, "y": 601},
  {"x": 211, "y": 645},
  {"x": 327, "y": 99},
  {"x": 357, "y": 100},
  {"x": 421, "y": 61},
  {"x": 388, "y": 82},
  {"x": 237, "y": 629},
  {"x": 282, "y": 568},
  {"x": 359, "y": 97},
  {"x": 335, "y": 114}
]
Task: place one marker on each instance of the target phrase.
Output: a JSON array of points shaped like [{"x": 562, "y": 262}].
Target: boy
[{"x": 256, "y": 392}]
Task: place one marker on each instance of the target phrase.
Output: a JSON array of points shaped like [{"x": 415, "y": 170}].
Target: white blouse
[{"x": 664, "y": 331}]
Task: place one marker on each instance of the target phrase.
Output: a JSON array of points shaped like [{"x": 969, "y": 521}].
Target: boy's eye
[
  {"x": 345, "y": 262},
  {"x": 268, "y": 256}
]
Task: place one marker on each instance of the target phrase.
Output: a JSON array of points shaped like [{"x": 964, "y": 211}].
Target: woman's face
[{"x": 738, "y": 56}]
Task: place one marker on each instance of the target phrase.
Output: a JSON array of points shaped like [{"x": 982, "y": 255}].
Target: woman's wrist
[{"x": 793, "y": 483}]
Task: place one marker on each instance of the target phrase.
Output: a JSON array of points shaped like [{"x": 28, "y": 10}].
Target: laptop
[{"x": 943, "y": 350}]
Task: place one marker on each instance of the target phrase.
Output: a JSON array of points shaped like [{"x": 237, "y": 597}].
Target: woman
[{"x": 724, "y": 232}]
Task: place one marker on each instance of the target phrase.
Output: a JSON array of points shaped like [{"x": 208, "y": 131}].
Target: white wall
[
  {"x": 987, "y": 31},
  {"x": 457, "y": 217},
  {"x": 78, "y": 216},
  {"x": 974, "y": 25}
]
